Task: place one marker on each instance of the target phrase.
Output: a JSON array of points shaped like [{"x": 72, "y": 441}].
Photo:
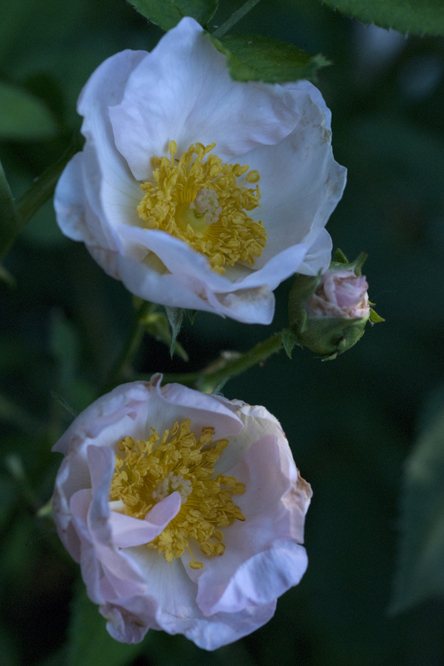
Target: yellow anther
[
  {"x": 253, "y": 177},
  {"x": 147, "y": 471},
  {"x": 172, "y": 147},
  {"x": 202, "y": 203}
]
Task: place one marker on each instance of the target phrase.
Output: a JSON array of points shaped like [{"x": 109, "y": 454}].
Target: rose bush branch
[
  {"x": 122, "y": 365},
  {"x": 235, "y": 17},
  {"x": 229, "y": 364},
  {"x": 15, "y": 217}
]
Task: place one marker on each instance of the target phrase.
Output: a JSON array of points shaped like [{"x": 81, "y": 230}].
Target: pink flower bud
[{"x": 340, "y": 293}]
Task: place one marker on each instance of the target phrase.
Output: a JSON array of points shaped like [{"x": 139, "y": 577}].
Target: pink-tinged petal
[
  {"x": 60, "y": 508},
  {"x": 274, "y": 506},
  {"x": 259, "y": 423},
  {"x": 91, "y": 567},
  {"x": 177, "y": 611},
  {"x": 222, "y": 628},
  {"x": 128, "y": 531},
  {"x": 261, "y": 579},
  {"x": 127, "y": 403},
  {"x": 175, "y": 402},
  {"x": 185, "y": 66},
  {"x": 130, "y": 626}
]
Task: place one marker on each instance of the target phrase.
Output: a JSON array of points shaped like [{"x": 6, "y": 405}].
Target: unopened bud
[{"x": 328, "y": 313}]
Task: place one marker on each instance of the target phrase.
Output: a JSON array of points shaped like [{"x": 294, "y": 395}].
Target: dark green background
[{"x": 351, "y": 422}]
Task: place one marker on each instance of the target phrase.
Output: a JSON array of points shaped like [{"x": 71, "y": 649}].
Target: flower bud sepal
[{"x": 328, "y": 312}]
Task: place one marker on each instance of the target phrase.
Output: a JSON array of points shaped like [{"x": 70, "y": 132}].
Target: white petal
[
  {"x": 191, "y": 283},
  {"x": 316, "y": 96},
  {"x": 318, "y": 256},
  {"x": 74, "y": 215},
  {"x": 301, "y": 183},
  {"x": 108, "y": 185},
  {"x": 182, "y": 91}
]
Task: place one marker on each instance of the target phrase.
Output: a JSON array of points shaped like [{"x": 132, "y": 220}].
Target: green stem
[
  {"x": 235, "y": 17},
  {"x": 39, "y": 192},
  {"x": 121, "y": 369},
  {"x": 218, "y": 372},
  {"x": 10, "y": 221}
]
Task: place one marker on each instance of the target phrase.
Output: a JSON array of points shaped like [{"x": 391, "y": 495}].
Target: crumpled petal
[{"x": 133, "y": 105}]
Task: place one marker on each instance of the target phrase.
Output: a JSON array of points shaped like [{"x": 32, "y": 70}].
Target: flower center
[
  {"x": 147, "y": 471},
  {"x": 203, "y": 204}
]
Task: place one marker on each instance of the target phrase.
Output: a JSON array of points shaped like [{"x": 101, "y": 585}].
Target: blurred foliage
[
  {"x": 351, "y": 423},
  {"x": 416, "y": 16},
  {"x": 420, "y": 572}
]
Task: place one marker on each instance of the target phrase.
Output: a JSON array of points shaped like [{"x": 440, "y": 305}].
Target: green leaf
[
  {"x": 420, "y": 571},
  {"x": 9, "y": 218},
  {"x": 64, "y": 346},
  {"x": 257, "y": 58},
  {"x": 6, "y": 276},
  {"x": 89, "y": 642},
  {"x": 43, "y": 187},
  {"x": 167, "y": 13},
  {"x": 415, "y": 16},
  {"x": 201, "y": 10},
  {"x": 374, "y": 317},
  {"x": 175, "y": 317},
  {"x": 22, "y": 116},
  {"x": 288, "y": 341},
  {"x": 157, "y": 325},
  {"x": 191, "y": 314},
  {"x": 13, "y": 219}
]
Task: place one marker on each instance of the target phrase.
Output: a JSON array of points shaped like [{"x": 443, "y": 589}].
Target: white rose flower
[
  {"x": 185, "y": 511},
  {"x": 195, "y": 190}
]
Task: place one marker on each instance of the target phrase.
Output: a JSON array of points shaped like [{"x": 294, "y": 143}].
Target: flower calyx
[{"x": 328, "y": 312}]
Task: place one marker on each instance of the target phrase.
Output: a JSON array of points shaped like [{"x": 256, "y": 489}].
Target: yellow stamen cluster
[
  {"x": 147, "y": 471},
  {"x": 202, "y": 203}
]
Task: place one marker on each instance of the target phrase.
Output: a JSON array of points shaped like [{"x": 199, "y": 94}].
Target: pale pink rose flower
[
  {"x": 340, "y": 293},
  {"x": 223, "y": 597},
  {"x": 134, "y": 107}
]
